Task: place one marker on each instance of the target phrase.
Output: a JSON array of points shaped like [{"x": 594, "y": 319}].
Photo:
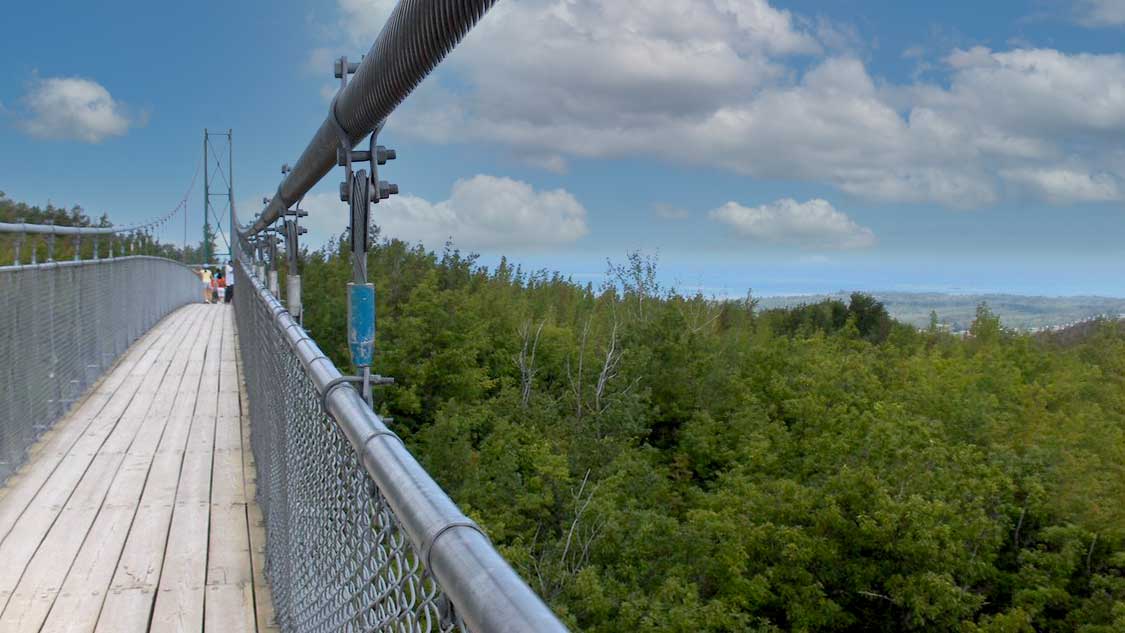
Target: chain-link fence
[
  {"x": 62, "y": 324},
  {"x": 358, "y": 536}
]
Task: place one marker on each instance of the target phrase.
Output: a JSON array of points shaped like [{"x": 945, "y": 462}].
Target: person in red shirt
[{"x": 220, "y": 286}]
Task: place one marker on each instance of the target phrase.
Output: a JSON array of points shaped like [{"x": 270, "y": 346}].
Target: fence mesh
[
  {"x": 63, "y": 324},
  {"x": 336, "y": 556}
]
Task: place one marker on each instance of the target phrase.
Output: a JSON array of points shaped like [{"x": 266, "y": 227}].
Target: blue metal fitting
[{"x": 361, "y": 323}]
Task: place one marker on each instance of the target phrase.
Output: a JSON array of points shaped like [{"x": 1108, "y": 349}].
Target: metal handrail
[
  {"x": 54, "y": 229},
  {"x": 58, "y": 229},
  {"x": 89, "y": 262},
  {"x": 487, "y": 594}
]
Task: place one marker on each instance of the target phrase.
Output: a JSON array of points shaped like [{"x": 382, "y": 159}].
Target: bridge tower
[{"x": 218, "y": 181}]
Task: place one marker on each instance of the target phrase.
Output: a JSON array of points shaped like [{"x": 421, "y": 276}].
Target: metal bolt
[
  {"x": 338, "y": 67},
  {"x": 386, "y": 190},
  {"x": 383, "y": 154}
]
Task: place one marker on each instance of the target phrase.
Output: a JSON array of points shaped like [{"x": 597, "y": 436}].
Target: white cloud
[
  {"x": 815, "y": 224},
  {"x": 578, "y": 59},
  {"x": 363, "y": 19},
  {"x": 1100, "y": 12},
  {"x": 72, "y": 108},
  {"x": 1060, "y": 186},
  {"x": 483, "y": 212},
  {"x": 710, "y": 82}
]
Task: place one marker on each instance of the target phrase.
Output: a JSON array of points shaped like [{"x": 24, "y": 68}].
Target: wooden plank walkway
[{"x": 136, "y": 511}]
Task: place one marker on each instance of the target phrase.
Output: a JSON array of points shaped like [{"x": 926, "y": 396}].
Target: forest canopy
[
  {"x": 652, "y": 461},
  {"x": 657, "y": 462}
]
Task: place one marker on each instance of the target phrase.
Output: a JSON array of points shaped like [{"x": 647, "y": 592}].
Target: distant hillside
[{"x": 957, "y": 311}]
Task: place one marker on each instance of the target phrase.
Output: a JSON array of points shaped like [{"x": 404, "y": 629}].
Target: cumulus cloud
[
  {"x": 814, "y": 224},
  {"x": 73, "y": 108},
  {"x": 1064, "y": 185},
  {"x": 713, "y": 82},
  {"x": 482, "y": 213},
  {"x": 1100, "y": 12}
]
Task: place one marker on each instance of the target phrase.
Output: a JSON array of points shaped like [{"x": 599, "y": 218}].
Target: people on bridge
[
  {"x": 205, "y": 276},
  {"x": 220, "y": 286},
  {"x": 229, "y": 274}
]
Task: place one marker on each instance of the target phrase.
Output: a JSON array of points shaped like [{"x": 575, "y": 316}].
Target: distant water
[{"x": 957, "y": 310}]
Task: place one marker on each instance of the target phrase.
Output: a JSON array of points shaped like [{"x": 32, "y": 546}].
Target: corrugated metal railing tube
[
  {"x": 63, "y": 324},
  {"x": 338, "y": 489},
  {"x": 417, "y": 36}
]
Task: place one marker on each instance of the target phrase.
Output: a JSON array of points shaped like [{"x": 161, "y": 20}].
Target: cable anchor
[
  {"x": 359, "y": 190},
  {"x": 293, "y": 231}
]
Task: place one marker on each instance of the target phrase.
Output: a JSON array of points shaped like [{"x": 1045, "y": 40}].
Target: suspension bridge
[{"x": 171, "y": 465}]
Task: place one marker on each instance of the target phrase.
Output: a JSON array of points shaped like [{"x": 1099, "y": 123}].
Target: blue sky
[{"x": 791, "y": 147}]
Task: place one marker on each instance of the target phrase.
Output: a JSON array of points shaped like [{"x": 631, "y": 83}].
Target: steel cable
[{"x": 417, "y": 36}]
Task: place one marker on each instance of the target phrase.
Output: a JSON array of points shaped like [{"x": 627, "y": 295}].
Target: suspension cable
[{"x": 54, "y": 229}]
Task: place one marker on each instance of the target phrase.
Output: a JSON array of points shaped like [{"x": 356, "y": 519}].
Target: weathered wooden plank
[
  {"x": 98, "y": 513},
  {"x": 228, "y": 557},
  {"x": 180, "y": 598},
  {"x": 29, "y": 608},
  {"x": 82, "y": 434},
  {"x": 35, "y": 540},
  {"x": 124, "y": 610},
  {"x": 179, "y": 601},
  {"x": 154, "y": 487},
  {"x": 230, "y": 609},
  {"x": 132, "y": 592}
]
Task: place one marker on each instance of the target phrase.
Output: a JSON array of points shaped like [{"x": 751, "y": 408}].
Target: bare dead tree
[
  {"x": 609, "y": 367},
  {"x": 552, "y": 568},
  {"x": 526, "y": 359},
  {"x": 582, "y": 500},
  {"x": 576, "y": 378}
]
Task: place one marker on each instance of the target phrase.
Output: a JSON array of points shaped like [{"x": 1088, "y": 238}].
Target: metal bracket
[
  {"x": 359, "y": 190},
  {"x": 374, "y": 380},
  {"x": 341, "y": 63},
  {"x": 293, "y": 231}
]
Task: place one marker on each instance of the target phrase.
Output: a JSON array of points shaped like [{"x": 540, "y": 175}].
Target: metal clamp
[
  {"x": 332, "y": 384},
  {"x": 375, "y": 380},
  {"x": 428, "y": 545},
  {"x": 382, "y": 433}
]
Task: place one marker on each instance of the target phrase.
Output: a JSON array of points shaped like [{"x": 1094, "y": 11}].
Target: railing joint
[{"x": 428, "y": 544}]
